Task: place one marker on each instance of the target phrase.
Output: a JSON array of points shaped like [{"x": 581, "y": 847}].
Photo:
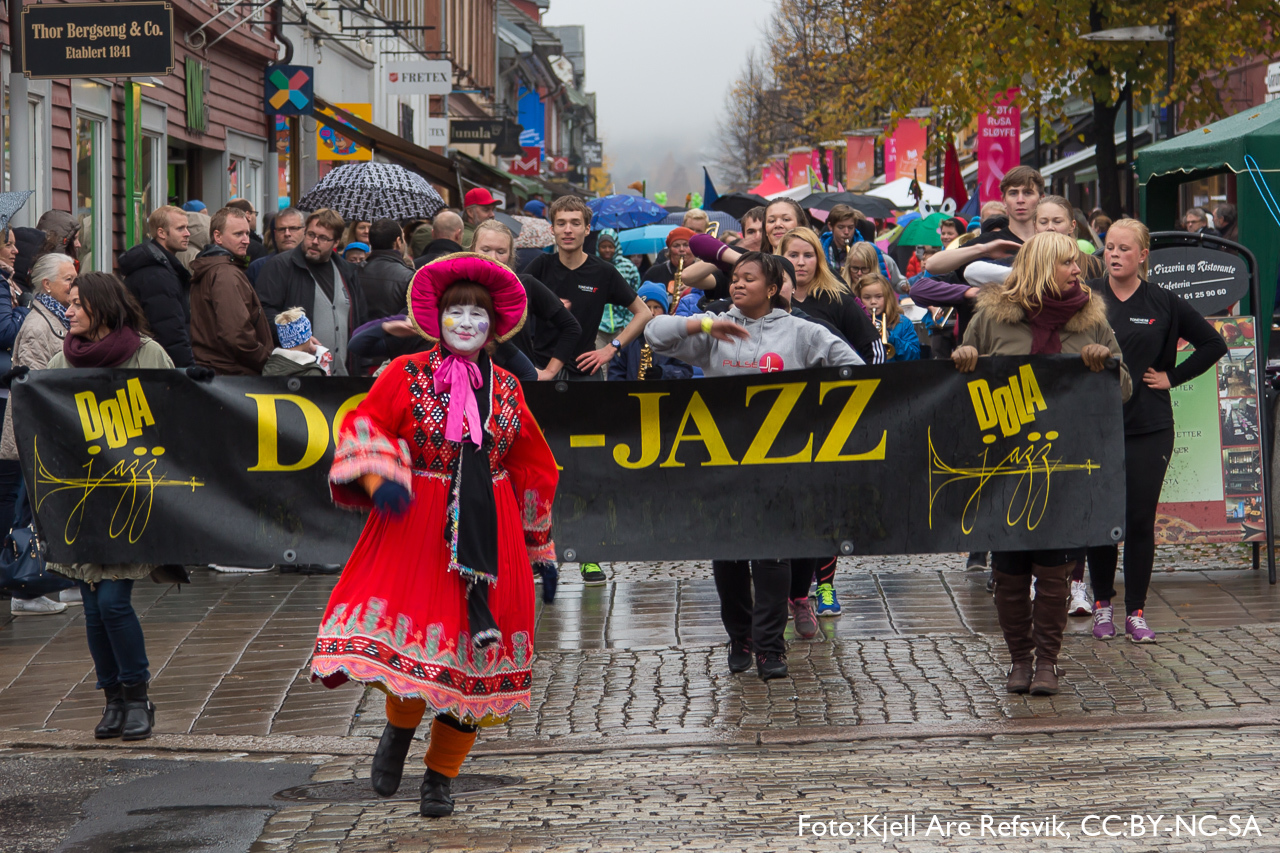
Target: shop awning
[
  {"x": 433, "y": 166},
  {"x": 1246, "y": 144},
  {"x": 1077, "y": 162},
  {"x": 1218, "y": 146},
  {"x": 479, "y": 173}
]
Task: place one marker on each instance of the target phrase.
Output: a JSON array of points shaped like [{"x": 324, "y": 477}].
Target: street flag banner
[
  {"x": 999, "y": 144},
  {"x": 1024, "y": 453}
]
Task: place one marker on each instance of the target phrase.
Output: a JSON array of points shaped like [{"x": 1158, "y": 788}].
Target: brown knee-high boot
[
  {"x": 1050, "y": 620},
  {"x": 1013, "y": 607}
]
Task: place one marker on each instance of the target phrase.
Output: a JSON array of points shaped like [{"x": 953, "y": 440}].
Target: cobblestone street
[{"x": 641, "y": 739}]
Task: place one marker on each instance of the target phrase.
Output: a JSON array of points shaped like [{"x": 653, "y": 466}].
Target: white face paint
[{"x": 464, "y": 328}]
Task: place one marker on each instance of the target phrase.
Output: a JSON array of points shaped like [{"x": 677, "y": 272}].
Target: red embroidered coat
[{"x": 398, "y": 616}]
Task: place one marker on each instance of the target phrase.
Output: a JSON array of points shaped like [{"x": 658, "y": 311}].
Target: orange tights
[{"x": 447, "y": 748}]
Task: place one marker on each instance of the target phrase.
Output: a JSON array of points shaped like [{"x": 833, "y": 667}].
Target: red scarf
[
  {"x": 1054, "y": 313},
  {"x": 110, "y": 351}
]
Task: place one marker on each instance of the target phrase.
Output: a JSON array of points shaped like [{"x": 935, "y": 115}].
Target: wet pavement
[{"x": 636, "y": 668}]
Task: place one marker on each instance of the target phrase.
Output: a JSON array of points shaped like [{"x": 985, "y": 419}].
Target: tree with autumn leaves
[{"x": 838, "y": 64}]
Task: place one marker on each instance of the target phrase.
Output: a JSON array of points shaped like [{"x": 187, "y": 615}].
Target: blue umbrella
[
  {"x": 644, "y": 241},
  {"x": 624, "y": 211}
]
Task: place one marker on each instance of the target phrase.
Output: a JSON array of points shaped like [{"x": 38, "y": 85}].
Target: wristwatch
[{"x": 616, "y": 344}]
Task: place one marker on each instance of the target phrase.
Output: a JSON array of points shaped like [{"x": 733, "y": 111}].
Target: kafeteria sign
[
  {"x": 97, "y": 39},
  {"x": 423, "y": 77},
  {"x": 1210, "y": 279},
  {"x": 1024, "y": 453}
]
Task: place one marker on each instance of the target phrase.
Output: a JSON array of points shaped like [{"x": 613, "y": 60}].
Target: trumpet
[
  {"x": 882, "y": 326},
  {"x": 714, "y": 228}
]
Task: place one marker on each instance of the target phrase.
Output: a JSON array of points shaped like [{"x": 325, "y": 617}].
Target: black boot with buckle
[{"x": 112, "y": 722}]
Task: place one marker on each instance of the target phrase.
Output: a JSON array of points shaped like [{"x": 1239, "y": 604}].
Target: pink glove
[{"x": 708, "y": 248}]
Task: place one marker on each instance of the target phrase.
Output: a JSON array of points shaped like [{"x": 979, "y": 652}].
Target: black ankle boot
[
  {"x": 112, "y": 723},
  {"x": 388, "y": 761},
  {"x": 437, "y": 799},
  {"x": 139, "y": 713}
]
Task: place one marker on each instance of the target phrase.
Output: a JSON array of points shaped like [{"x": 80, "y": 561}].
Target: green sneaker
[
  {"x": 828, "y": 603},
  {"x": 593, "y": 575}
]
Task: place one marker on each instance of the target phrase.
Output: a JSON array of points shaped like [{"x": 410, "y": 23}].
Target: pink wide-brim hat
[{"x": 430, "y": 283}]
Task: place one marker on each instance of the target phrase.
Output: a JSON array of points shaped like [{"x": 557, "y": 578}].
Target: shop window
[
  {"x": 92, "y": 209},
  {"x": 234, "y": 178},
  {"x": 38, "y": 150}
]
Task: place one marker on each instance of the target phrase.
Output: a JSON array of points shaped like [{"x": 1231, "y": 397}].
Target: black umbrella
[
  {"x": 737, "y": 204},
  {"x": 870, "y": 206},
  {"x": 369, "y": 191}
]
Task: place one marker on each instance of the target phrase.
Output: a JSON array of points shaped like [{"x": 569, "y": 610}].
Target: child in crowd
[
  {"x": 355, "y": 252},
  {"x": 299, "y": 354},
  {"x": 626, "y": 364},
  {"x": 874, "y": 291}
]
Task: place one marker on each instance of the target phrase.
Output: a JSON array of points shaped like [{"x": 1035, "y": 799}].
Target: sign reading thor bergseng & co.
[{"x": 97, "y": 39}]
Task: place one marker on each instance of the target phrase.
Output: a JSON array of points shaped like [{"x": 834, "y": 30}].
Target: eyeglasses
[
  {"x": 289, "y": 228},
  {"x": 319, "y": 238},
  {"x": 859, "y": 269}
]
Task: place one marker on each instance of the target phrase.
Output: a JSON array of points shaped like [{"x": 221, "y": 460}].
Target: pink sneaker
[
  {"x": 806, "y": 621},
  {"x": 1135, "y": 628},
  {"x": 1103, "y": 626}
]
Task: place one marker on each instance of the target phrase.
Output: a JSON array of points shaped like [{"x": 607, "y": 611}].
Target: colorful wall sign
[{"x": 331, "y": 145}]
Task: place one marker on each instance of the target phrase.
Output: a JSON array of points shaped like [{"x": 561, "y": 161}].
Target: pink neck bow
[{"x": 458, "y": 376}]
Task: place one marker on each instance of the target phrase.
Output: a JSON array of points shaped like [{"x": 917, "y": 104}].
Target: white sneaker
[
  {"x": 1079, "y": 605},
  {"x": 238, "y": 570},
  {"x": 71, "y": 596},
  {"x": 39, "y": 606}
]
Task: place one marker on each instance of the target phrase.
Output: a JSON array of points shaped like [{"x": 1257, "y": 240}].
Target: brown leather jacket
[{"x": 229, "y": 330}]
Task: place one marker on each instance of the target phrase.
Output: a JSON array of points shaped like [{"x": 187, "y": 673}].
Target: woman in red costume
[{"x": 435, "y": 605}]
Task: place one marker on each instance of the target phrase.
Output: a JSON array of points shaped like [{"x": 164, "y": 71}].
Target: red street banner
[
  {"x": 999, "y": 144},
  {"x": 904, "y": 151},
  {"x": 859, "y": 160},
  {"x": 797, "y": 163},
  {"x": 529, "y": 163}
]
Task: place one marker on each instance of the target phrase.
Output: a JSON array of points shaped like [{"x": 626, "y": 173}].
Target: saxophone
[
  {"x": 676, "y": 287},
  {"x": 882, "y": 326},
  {"x": 646, "y": 360}
]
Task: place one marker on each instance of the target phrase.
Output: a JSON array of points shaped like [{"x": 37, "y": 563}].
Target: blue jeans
[{"x": 115, "y": 634}]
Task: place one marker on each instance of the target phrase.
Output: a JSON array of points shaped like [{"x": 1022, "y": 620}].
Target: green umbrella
[{"x": 923, "y": 232}]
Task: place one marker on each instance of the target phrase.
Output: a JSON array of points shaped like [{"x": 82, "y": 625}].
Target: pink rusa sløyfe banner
[{"x": 999, "y": 143}]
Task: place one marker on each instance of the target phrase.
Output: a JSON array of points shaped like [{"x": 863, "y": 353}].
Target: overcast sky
[{"x": 660, "y": 70}]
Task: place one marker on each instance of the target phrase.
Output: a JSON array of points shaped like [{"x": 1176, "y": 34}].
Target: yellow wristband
[{"x": 706, "y": 325}]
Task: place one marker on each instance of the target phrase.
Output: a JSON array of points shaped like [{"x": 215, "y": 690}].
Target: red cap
[
  {"x": 479, "y": 196},
  {"x": 679, "y": 233}
]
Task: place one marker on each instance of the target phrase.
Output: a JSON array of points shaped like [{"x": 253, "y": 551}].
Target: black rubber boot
[
  {"x": 139, "y": 713},
  {"x": 437, "y": 796},
  {"x": 388, "y": 761},
  {"x": 112, "y": 722}
]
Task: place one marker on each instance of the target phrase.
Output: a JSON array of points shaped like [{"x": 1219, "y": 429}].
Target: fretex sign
[{"x": 426, "y": 77}]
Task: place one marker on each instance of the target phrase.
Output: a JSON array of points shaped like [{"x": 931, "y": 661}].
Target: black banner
[
  {"x": 97, "y": 39},
  {"x": 1025, "y": 453}
]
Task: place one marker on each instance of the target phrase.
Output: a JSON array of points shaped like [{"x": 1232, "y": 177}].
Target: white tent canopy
[{"x": 898, "y": 192}]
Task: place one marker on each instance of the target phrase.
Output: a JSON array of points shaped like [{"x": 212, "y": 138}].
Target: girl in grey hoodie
[{"x": 757, "y": 335}]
